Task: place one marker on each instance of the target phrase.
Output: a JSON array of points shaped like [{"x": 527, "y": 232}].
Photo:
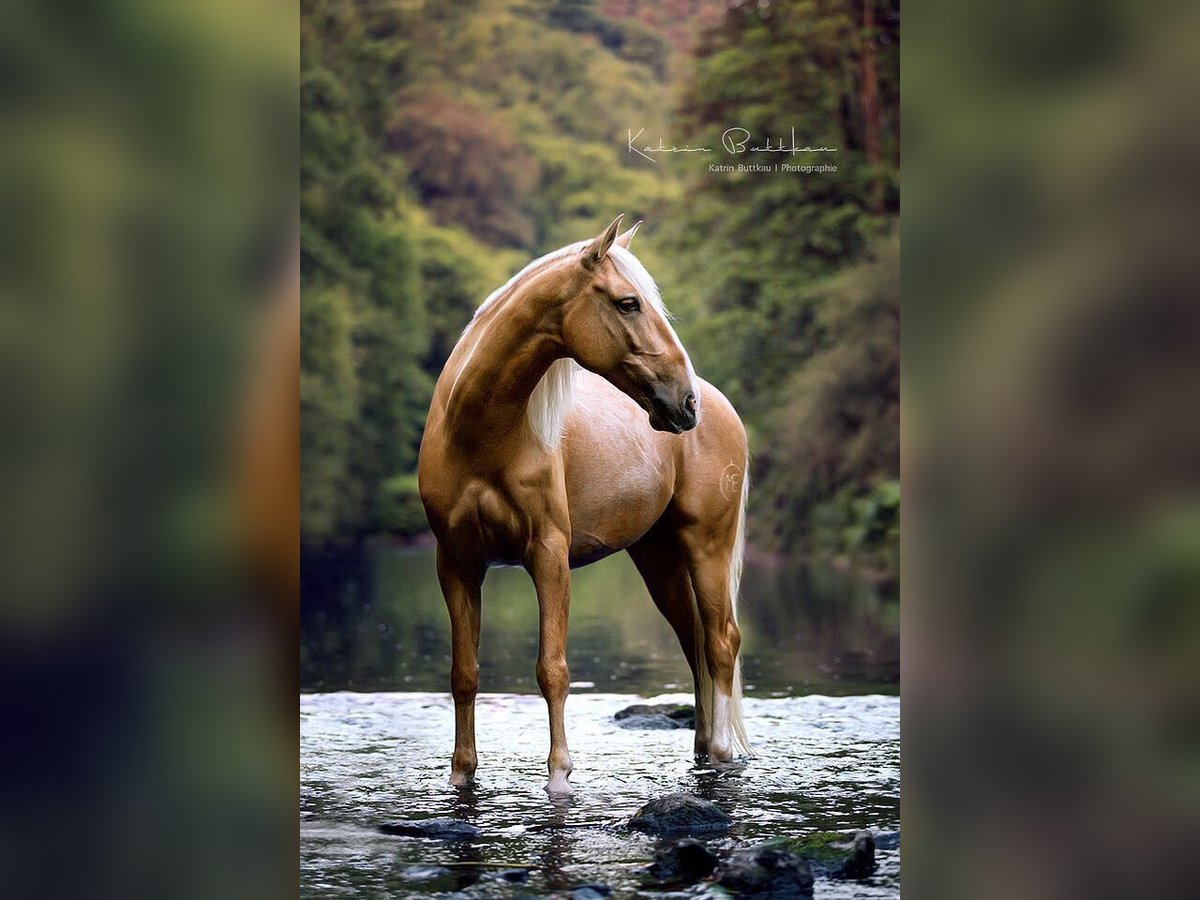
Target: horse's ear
[
  {"x": 624, "y": 239},
  {"x": 593, "y": 254}
]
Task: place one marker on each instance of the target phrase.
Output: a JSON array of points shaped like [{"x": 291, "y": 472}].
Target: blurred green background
[
  {"x": 1051, "y": 460},
  {"x": 446, "y": 144},
  {"x": 147, "y": 202}
]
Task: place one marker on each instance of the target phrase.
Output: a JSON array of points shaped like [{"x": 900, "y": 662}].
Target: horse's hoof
[
  {"x": 559, "y": 786},
  {"x": 719, "y": 754},
  {"x": 461, "y": 779}
]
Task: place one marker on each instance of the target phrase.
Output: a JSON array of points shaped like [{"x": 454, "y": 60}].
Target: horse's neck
[{"x": 506, "y": 358}]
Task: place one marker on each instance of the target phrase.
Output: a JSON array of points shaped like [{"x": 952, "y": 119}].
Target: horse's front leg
[
  {"x": 461, "y": 583},
  {"x": 549, "y": 567}
]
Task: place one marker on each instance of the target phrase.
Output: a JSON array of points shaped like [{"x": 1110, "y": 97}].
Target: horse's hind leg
[
  {"x": 710, "y": 560},
  {"x": 461, "y": 584},
  {"x": 660, "y": 561}
]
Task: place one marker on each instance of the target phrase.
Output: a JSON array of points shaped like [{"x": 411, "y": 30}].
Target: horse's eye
[{"x": 628, "y": 305}]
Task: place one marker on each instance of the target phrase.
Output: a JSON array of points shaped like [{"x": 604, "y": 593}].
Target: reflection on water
[
  {"x": 824, "y": 764},
  {"x": 821, "y": 658},
  {"x": 374, "y": 620}
]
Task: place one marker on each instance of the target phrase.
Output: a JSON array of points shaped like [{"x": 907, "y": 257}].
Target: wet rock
[
  {"x": 444, "y": 829},
  {"x": 767, "y": 871},
  {"x": 680, "y": 814},
  {"x": 590, "y": 892},
  {"x": 657, "y": 716},
  {"x": 835, "y": 855},
  {"x": 685, "y": 862},
  {"x": 861, "y": 863}
]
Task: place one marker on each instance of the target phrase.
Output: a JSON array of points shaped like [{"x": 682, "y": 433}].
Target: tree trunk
[{"x": 869, "y": 100}]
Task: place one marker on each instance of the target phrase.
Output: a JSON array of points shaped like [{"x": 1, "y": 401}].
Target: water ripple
[{"x": 823, "y": 764}]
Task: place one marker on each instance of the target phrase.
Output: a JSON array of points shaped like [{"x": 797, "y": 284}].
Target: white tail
[
  {"x": 741, "y": 742},
  {"x": 737, "y": 724}
]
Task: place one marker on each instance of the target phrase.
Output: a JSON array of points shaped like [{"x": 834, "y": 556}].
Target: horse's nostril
[{"x": 689, "y": 402}]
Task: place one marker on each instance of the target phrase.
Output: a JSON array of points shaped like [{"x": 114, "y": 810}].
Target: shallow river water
[{"x": 377, "y": 725}]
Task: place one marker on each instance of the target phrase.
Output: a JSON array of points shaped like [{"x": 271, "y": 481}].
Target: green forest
[{"x": 445, "y": 144}]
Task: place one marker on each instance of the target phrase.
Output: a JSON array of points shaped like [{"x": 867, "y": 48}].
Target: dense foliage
[
  {"x": 791, "y": 280},
  {"x": 447, "y": 143}
]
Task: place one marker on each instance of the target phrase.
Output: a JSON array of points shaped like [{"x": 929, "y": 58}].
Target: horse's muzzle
[{"x": 673, "y": 414}]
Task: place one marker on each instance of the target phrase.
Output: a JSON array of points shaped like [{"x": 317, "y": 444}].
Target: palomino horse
[{"x": 567, "y": 425}]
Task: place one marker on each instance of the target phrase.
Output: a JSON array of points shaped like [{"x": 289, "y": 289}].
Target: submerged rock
[
  {"x": 680, "y": 814},
  {"x": 433, "y": 879},
  {"x": 887, "y": 840},
  {"x": 650, "y": 723},
  {"x": 685, "y": 861},
  {"x": 512, "y": 876},
  {"x": 445, "y": 829},
  {"x": 657, "y": 716},
  {"x": 424, "y": 873},
  {"x": 590, "y": 892},
  {"x": 767, "y": 871}
]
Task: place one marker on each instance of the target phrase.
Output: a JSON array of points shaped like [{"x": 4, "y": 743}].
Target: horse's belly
[
  {"x": 618, "y": 480},
  {"x": 613, "y": 520}
]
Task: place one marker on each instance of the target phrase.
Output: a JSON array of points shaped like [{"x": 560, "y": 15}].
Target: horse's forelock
[{"x": 635, "y": 273}]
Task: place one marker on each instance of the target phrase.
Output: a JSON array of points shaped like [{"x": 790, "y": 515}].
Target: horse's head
[{"x": 615, "y": 325}]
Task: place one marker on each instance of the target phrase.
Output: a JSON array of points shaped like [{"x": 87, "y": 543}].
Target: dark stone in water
[
  {"x": 513, "y": 876},
  {"x": 590, "y": 892},
  {"x": 657, "y": 716},
  {"x": 835, "y": 855},
  {"x": 685, "y": 861},
  {"x": 767, "y": 871},
  {"x": 445, "y": 829},
  {"x": 861, "y": 863},
  {"x": 680, "y": 814}
]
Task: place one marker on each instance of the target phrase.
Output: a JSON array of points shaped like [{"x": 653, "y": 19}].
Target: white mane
[
  {"x": 553, "y": 397},
  {"x": 551, "y": 400}
]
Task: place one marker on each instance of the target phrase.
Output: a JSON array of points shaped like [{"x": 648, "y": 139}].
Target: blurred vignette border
[
  {"x": 150, "y": 352},
  {"x": 1051, "y": 449}
]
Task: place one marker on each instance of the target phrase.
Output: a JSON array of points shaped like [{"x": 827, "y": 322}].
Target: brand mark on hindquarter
[{"x": 729, "y": 481}]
